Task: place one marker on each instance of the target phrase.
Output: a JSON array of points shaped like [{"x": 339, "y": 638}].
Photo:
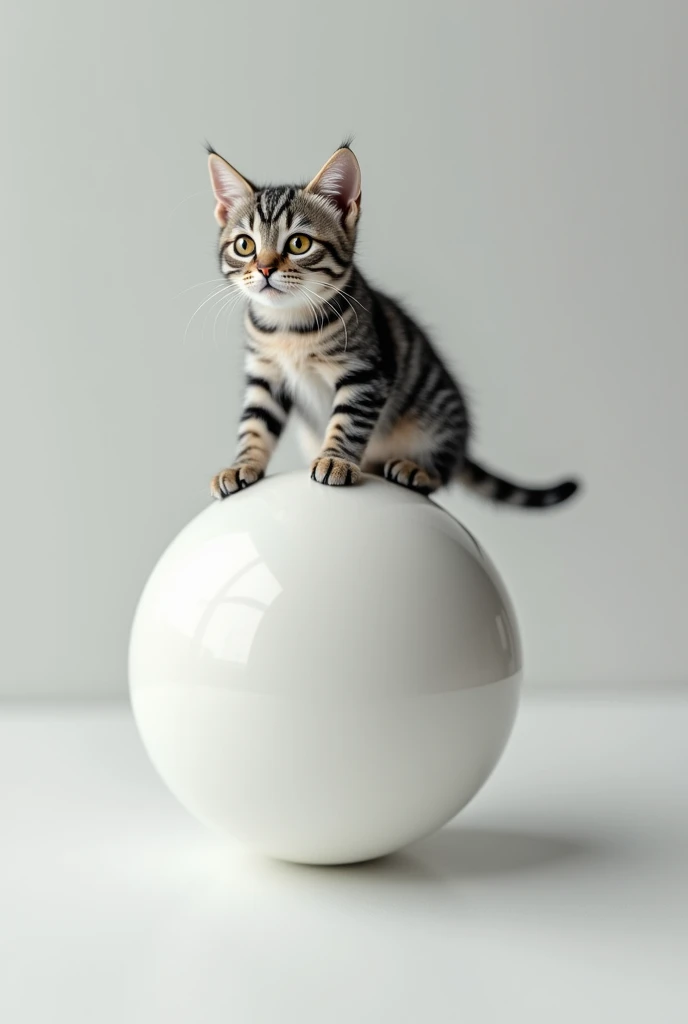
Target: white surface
[
  {"x": 546, "y": 143},
  {"x": 254, "y": 698},
  {"x": 561, "y": 893}
]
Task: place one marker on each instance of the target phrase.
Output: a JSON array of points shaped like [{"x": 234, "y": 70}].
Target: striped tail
[{"x": 506, "y": 492}]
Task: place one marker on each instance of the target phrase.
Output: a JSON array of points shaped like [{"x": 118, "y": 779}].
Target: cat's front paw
[
  {"x": 236, "y": 478},
  {"x": 335, "y": 472}
]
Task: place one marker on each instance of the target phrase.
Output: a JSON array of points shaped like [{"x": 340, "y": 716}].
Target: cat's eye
[
  {"x": 244, "y": 245},
  {"x": 298, "y": 244}
]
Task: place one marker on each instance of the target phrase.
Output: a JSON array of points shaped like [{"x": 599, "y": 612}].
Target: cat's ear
[
  {"x": 340, "y": 182},
  {"x": 228, "y": 185}
]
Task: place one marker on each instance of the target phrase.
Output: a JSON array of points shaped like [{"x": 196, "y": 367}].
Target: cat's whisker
[
  {"x": 318, "y": 314},
  {"x": 234, "y": 294},
  {"x": 193, "y": 195},
  {"x": 231, "y": 304},
  {"x": 348, "y": 295},
  {"x": 312, "y": 305},
  {"x": 208, "y": 298},
  {"x": 221, "y": 310},
  {"x": 200, "y": 284},
  {"x": 338, "y": 291},
  {"x": 308, "y": 301},
  {"x": 336, "y": 311},
  {"x": 218, "y": 300},
  {"x": 223, "y": 306}
]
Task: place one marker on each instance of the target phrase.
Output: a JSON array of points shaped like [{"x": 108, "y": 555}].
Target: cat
[{"x": 368, "y": 388}]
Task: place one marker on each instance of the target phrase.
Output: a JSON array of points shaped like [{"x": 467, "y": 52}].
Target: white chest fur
[
  {"x": 310, "y": 378},
  {"x": 312, "y": 393}
]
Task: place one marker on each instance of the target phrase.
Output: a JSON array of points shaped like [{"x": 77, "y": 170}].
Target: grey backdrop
[{"x": 546, "y": 146}]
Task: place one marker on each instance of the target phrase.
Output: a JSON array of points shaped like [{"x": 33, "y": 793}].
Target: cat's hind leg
[
  {"x": 409, "y": 474},
  {"x": 403, "y": 454},
  {"x": 406, "y": 473}
]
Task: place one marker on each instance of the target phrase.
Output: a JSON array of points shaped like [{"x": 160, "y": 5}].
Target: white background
[{"x": 524, "y": 188}]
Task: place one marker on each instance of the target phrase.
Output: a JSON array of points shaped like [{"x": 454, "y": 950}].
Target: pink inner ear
[
  {"x": 228, "y": 185},
  {"x": 341, "y": 181},
  {"x": 221, "y": 214}
]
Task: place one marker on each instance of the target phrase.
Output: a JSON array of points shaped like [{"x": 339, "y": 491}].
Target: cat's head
[{"x": 288, "y": 246}]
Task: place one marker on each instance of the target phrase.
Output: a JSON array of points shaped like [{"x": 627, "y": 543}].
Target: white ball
[{"x": 325, "y": 673}]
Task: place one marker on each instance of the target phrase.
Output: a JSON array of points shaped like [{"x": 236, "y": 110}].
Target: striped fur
[{"x": 369, "y": 389}]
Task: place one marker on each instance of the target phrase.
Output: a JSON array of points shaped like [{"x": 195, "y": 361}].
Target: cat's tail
[{"x": 496, "y": 488}]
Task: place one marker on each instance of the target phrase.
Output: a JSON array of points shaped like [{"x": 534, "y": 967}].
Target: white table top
[{"x": 560, "y": 894}]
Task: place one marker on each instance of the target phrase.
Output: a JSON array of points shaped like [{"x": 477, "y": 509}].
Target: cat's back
[{"x": 399, "y": 332}]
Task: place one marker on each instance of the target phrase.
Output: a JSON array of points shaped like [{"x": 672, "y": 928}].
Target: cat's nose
[{"x": 267, "y": 261}]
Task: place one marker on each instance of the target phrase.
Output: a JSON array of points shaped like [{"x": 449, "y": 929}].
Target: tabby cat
[{"x": 369, "y": 390}]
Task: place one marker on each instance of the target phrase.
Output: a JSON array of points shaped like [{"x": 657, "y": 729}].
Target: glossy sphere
[{"x": 324, "y": 673}]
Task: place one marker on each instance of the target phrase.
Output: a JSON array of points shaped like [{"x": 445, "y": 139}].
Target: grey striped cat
[{"x": 369, "y": 390}]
